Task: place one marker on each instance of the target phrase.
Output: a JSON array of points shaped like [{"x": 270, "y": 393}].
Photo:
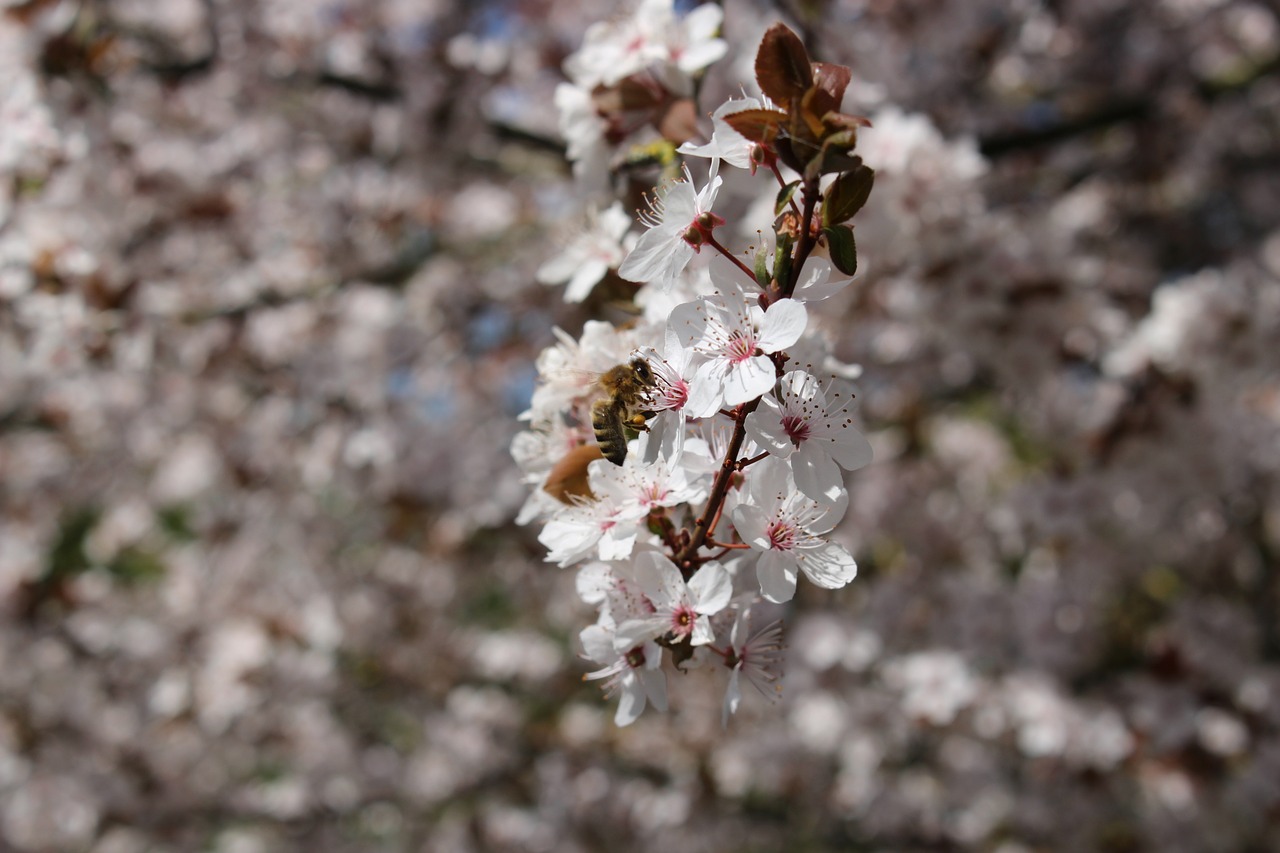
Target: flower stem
[
  {"x": 782, "y": 182},
  {"x": 807, "y": 241},
  {"x": 715, "y": 244},
  {"x": 705, "y": 525}
]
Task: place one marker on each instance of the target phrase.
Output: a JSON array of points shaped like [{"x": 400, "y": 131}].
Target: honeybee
[{"x": 629, "y": 386}]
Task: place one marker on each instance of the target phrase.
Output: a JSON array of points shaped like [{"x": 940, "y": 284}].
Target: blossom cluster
[{"x": 690, "y": 465}]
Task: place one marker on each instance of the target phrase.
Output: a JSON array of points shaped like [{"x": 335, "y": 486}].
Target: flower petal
[
  {"x": 784, "y": 323},
  {"x": 631, "y": 702},
  {"x": 817, "y": 475},
  {"x": 850, "y": 448},
  {"x": 751, "y": 524},
  {"x": 828, "y": 565},
  {"x": 711, "y": 588},
  {"x": 655, "y": 682},
  {"x": 776, "y": 572},
  {"x": 764, "y": 426},
  {"x": 747, "y": 380}
]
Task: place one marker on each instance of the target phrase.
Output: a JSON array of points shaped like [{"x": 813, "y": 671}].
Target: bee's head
[{"x": 641, "y": 367}]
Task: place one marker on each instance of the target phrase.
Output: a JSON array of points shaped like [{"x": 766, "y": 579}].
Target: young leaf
[
  {"x": 831, "y": 81},
  {"x": 759, "y": 126},
  {"x": 762, "y": 266},
  {"x": 835, "y": 156},
  {"x": 782, "y": 258},
  {"x": 848, "y": 194},
  {"x": 850, "y": 122},
  {"x": 782, "y": 65},
  {"x": 844, "y": 253},
  {"x": 785, "y": 195}
]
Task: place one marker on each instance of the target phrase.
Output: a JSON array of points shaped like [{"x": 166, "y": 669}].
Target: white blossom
[
  {"x": 677, "y": 209},
  {"x": 634, "y": 673},
  {"x": 726, "y": 143},
  {"x": 787, "y": 528},
  {"x": 736, "y": 338},
  {"x": 757, "y": 656},
  {"x": 588, "y": 258},
  {"x": 680, "y": 609},
  {"x": 811, "y": 426}
]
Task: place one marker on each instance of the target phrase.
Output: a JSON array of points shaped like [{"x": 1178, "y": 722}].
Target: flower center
[
  {"x": 635, "y": 657},
  {"x": 676, "y": 394},
  {"x": 740, "y": 348},
  {"x": 796, "y": 428},
  {"x": 682, "y": 620},
  {"x": 782, "y": 535}
]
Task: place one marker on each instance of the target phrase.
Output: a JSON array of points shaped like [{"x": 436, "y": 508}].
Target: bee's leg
[{"x": 638, "y": 421}]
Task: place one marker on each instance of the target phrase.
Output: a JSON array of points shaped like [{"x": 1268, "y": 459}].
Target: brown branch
[{"x": 687, "y": 558}]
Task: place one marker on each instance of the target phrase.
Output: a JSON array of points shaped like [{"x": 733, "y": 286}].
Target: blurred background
[{"x": 268, "y": 316}]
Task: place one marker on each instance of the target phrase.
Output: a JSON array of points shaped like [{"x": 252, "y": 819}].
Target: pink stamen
[
  {"x": 682, "y": 619},
  {"x": 796, "y": 428},
  {"x": 677, "y": 394},
  {"x": 782, "y": 536},
  {"x": 740, "y": 348}
]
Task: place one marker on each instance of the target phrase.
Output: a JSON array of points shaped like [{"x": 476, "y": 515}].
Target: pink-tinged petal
[
  {"x": 732, "y": 696},
  {"x": 701, "y": 55},
  {"x": 784, "y": 323},
  {"x": 567, "y": 542},
  {"x": 586, "y": 277},
  {"x": 777, "y": 575},
  {"x": 594, "y": 582},
  {"x": 597, "y": 643},
  {"x": 829, "y": 565},
  {"x": 707, "y": 198},
  {"x": 765, "y": 429},
  {"x": 702, "y": 25},
  {"x": 558, "y": 269},
  {"x": 706, "y": 393},
  {"x": 850, "y": 448},
  {"x": 751, "y": 524},
  {"x": 748, "y": 380},
  {"x": 711, "y": 588},
  {"x": 655, "y": 682},
  {"x": 680, "y": 204},
  {"x": 631, "y": 702},
  {"x": 702, "y": 633},
  {"x": 769, "y": 480},
  {"x": 817, "y": 475},
  {"x": 817, "y": 283},
  {"x": 657, "y": 257},
  {"x": 633, "y": 632},
  {"x": 617, "y": 547},
  {"x": 659, "y": 579},
  {"x": 688, "y": 322}
]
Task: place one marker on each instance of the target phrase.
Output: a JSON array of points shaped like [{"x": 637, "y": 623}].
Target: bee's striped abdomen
[{"x": 606, "y": 419}]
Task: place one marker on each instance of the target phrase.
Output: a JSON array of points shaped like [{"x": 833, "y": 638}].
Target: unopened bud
[
  {"x": 708, "y": 220},
  {"x": 761, "y": 156}
]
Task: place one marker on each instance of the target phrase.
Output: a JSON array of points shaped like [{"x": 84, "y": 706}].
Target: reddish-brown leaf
[
  {"x": 782, "y": 65},
  {"x": 831, "y": 81},
  {"x": 835, "y": 119},
  {"x": 678, "y": 121},
  {"x": 757, "y": 125}
]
